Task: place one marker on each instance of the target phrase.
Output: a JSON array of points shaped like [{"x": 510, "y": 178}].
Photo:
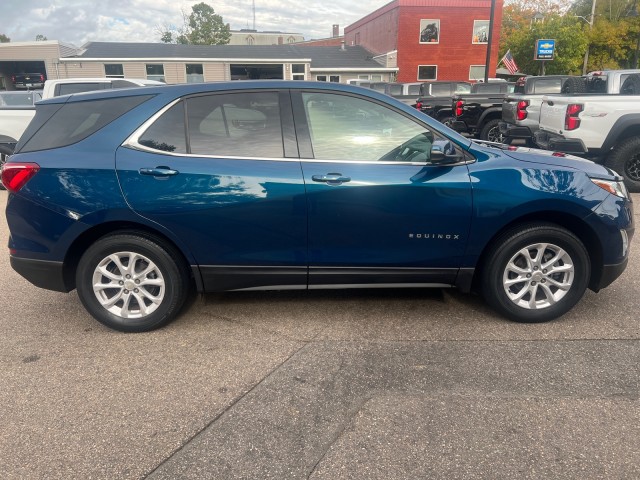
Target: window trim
[
  {"x": 420, "y": 30},
  {"x": 104, "y": 67},
  {"x": 301, "y": 130},
  {"x": 471, "y": 66},
  {"x": 304, "y": 136},
  {"x": 289, "y": 144},
  {"x": 474, "y": 31},
  {"x": 426, "y": 79}
]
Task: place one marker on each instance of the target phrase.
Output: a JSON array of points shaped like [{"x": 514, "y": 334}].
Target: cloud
[{"x": 80, "y": 21}]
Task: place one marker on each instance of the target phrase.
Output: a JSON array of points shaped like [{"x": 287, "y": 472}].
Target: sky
[{"x": 80, "y": 21}]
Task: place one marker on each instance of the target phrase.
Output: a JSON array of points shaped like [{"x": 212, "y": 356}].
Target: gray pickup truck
[{"x": 521, "y": 109}]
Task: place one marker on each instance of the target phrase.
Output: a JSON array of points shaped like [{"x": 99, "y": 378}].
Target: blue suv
[{"x": 134, "y": 197}]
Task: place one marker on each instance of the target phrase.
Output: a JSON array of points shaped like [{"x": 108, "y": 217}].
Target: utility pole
[
  {"x": 586, "y": 53},
  {"x": 254, "y": 14},
  {"x": 489, "y": 41}
]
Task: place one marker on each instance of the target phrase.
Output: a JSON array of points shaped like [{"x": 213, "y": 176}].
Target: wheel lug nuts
[
  {"x": 136, "y": 290},
  {"x": 535, "y": 268},
  {"x": 542, "y": 281},
  {"x": 544, "y": 271},
  {"x": 528, "y": 275},
  {"x": 137, "y": 281},
  {"x": 121, "y": 282},
  {"x": 128, "y": 276},
  {"x": 126, "y": 291},
  {"x": 533, "y": 283}
]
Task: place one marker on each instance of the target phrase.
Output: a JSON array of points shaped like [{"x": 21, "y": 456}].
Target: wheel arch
[
  {"x": 88, "y": 237},
  {"x": 625, "y": 127},
  {"x": 489, "y": 114},
  {"x": 570, "y": 222}
]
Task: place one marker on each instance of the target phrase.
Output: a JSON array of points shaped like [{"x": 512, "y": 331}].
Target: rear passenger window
[
  {"x": 168, "y": 132},
  {"x": 75, "y": 121},
  {"x": 548, "y": 85},
  {"x": 235, "y": 124}
]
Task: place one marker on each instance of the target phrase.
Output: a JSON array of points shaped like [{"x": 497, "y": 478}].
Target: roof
[{"x": 355, "y": 57}]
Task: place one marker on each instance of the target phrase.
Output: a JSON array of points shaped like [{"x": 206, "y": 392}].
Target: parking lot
[{"x": 375, "y": 384}]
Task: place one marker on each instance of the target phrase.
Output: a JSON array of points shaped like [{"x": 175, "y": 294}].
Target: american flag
[{"x": 509, "y": 62}]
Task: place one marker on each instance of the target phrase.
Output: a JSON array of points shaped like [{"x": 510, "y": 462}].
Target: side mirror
[{"x": 443, "y": 152}]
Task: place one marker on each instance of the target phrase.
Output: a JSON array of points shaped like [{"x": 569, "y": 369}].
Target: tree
[
  {"x": 4, "y": 38},
  {"x": 41, "y": 38},
  {"x": 202, "y": 27}
]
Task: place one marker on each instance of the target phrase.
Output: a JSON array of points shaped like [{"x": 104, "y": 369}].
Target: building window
[
  {"x": 113, "y": 70},
  {"x": 297, "y": 70},
  {"x": 334, "y": 78},
  {"x": 291, "y": 40},
  {"x": 321, "y": 78},
  {"x": 363, "y": 77},
  {"x": 429, "y": 31},
  {"x": 194, "y": 73},
  {"x": 476, "y": 72},
  {"x": 250, "y": 40},
  {"x": 155, "y": 71},
  {"x": 427, "y": 72},
  {"x": 480, "y": 31},
  {"x": 376, "y": 78}
]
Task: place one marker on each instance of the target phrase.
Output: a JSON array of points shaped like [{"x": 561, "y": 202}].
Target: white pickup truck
[
  {"x": 602, "y": 127},
  {"x": 17, "y": 108}
]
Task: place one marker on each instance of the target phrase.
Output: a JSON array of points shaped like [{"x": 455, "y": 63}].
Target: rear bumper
[
  {"x": 558, "y": 143},
  {"x": 512, "y": 132},
  {"x": 42, "y": 273},
  {"x": 460, "y": 126}
]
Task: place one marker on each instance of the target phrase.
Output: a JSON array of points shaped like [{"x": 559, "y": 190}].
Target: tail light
[
  {"x": 418, "y": 105},
  {"x": 13, "y": 79},
  {"x": 42, "y": 77},
  {"x": 521, "y": 109},
  {"x": 16, "y": 175},
  {"x": 571, "y": 120},
  {"x": 459, "y": 107}
]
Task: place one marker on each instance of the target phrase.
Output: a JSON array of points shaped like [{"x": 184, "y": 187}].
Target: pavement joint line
[
  {"x": 357, "y": 407},
  {"x": 224, "y": 411}
]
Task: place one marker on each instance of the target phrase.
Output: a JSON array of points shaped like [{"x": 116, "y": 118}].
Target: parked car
[
  {"x": 134, "y": 196},
  {"x": 604, "y": 127},
  {"x": 27, "y": 81},
  {"x": 68, "y": 86},
  {"x": 521, "y": 110},
  {"x": 479, "y": 113},
  {"x": 16, "y": 111},
  {"x": 435, "y": 99},
  {"x": 405, "y": 92}
]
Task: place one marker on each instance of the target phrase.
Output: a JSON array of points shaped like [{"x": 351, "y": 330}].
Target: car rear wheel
[
  {"x": 491, "y": 131},
  {"x": 131, "y": 282},
  {"x": 625, "y": 160},
  {"x": 535, "y": 273}
]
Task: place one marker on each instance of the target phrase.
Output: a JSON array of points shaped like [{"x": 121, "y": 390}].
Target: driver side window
[{"x": 346, "y": 128}]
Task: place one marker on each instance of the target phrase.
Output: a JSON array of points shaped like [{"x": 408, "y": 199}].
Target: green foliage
[
  {"x": 613, "y": 40},
  {"x": 41, "y": 38},
  {"x": 4, "y": 38},
  {"x": 202, "y": 27}
]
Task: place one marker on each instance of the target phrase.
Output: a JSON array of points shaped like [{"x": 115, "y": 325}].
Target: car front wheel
[
  {"x": 131, "y": 282},
  {"x": 535, "y": 273}
]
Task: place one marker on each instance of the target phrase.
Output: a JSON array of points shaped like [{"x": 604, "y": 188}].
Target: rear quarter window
[{"x": 58, "y": 126}]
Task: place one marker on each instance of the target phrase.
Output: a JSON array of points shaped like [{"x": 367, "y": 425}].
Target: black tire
[
  {"x": 447, "y": 120},
  {"x": 625, "y": 160},
  {"x": 631, "y": 85},
  {"x": 491, "y": 131},
  {"x": 165, "y": 277},
  {"x": 502, "y": 286},
  {"x": 574, "y": 85}
]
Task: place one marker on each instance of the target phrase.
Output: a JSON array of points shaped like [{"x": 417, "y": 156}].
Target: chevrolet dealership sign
[{"x": 545, "y": 49}]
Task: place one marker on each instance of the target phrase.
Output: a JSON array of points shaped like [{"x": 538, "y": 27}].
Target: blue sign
[{"x": 545, "y": 49}]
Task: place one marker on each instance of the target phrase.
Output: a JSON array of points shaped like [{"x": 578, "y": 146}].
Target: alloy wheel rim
[
  {"x": 494, "y": 135},
  {"x": 538, "y": 276},
  {"x": 633, "y": 168},
  {"x": 128, "y": 285}
]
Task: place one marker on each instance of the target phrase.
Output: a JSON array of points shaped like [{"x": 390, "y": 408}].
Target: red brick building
[{"x": 431, "y": 39}]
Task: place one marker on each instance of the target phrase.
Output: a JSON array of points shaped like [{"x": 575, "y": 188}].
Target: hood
[{"x": 559, "y": 159}]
